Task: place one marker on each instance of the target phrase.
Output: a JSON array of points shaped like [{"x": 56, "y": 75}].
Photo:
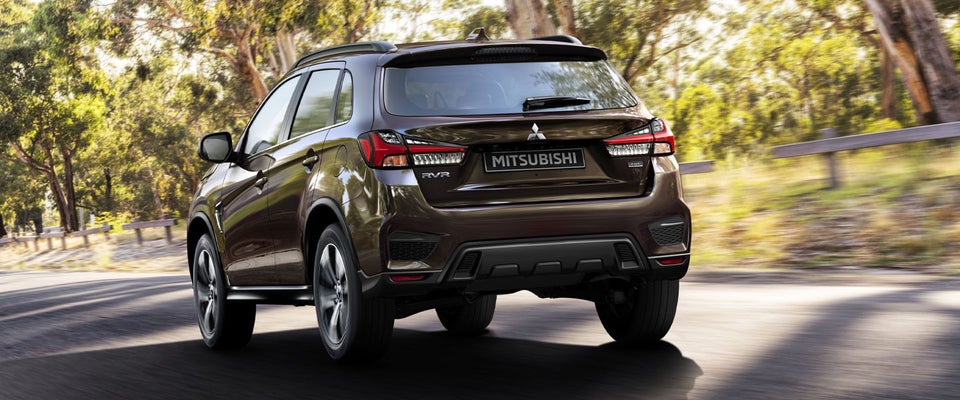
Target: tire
[
  {"x": 223, "y": 324},
  {"x": 353, "y": 328},
  {"x": 646, "y": 315},
  {"x": 469, "y": 319}
]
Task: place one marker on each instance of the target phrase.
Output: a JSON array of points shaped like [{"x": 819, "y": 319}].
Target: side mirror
[{"x": 216, "y": 147}]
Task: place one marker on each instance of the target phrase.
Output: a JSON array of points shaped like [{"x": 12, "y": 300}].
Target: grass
[{"x": 897, "y": 207}]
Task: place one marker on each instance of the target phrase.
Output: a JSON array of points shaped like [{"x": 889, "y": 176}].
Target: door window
[
  {"x": 264, "y": 130},
  {"x": 316, "y": 105}
]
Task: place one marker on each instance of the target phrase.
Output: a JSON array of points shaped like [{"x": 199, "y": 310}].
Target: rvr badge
[{"x": 432, "y": 175}]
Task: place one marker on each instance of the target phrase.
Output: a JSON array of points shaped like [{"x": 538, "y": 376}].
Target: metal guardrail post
[{"x": 830, "y": 133}]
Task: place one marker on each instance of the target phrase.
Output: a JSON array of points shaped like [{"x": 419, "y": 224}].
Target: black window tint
[
  {"x": 345, "y": 101},
  {"x": 317, "y": 103},
  {"x": 264, "y": 130},
  {"x": 473, "y": 89}
]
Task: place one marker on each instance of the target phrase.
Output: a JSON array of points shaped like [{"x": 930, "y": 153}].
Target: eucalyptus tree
[
  {"x": 53, "y": 94},
  {"x": 260, "y": 40},
  {"x": 910, "y": 31}
]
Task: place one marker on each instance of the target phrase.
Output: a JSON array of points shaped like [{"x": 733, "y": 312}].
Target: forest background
[{"x": 103, "y": 102}]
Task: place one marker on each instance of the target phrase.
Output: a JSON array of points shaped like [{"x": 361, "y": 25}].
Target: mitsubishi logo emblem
[{"x": 536, "y": 135}]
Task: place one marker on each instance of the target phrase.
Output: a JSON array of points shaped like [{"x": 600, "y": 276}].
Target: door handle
[
  {"x": 260, "y": 183},
  {"x": 309, "y": 161}
]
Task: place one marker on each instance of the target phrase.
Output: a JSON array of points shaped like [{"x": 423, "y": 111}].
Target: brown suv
[{"x": 377, "y": 181}]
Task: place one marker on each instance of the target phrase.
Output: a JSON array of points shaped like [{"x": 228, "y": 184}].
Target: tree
[
  {"x": 637, "y": 34},
  {"x": 52, "y": 97},
  {"x": 529, "y": 18},
  {"x": 781, "y": 81},
  {"x": 258, "y": 39},
  {"x": 566, "y": 17},
  {"x": 910, "y": 32},
  {"x": 851, "y": 16},
  {"x": 20, "y": 189}
]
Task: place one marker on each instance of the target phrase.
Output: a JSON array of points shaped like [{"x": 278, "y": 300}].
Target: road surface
[{"x": 73, "y": 335}]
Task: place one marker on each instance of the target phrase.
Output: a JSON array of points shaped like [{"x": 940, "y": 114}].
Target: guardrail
[
  {"x": 831, "y": 144},
  {"x": 22, "y": 239},
  {"x": 696, "y": 167},
  {"x": 137, "y": 226},
  {"x": 104, "y": 229},
  {"x": 50, "y": 235}
]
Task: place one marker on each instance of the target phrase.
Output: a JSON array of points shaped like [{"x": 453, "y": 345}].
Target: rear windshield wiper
[{"x": 539, "y": 103}]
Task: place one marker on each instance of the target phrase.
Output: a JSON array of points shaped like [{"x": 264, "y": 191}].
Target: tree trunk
[
  {"x": 108, "y": 189},
  {"x": 936, "y": 62},
  {"x": 528, "y": 19},
  {"x": 69, "y": 220},
  {"x": 66, "y": 209},
  {"x": 246, "y": 64},
  {"x": 888, "y": 83},
  {"x": 910, "y": 32},
  {"x": 568, "y": 23},
  {"x": 287, "y": 49}
]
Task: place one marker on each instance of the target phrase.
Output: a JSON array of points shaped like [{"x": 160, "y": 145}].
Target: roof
[{"x": 507, "y": 50}]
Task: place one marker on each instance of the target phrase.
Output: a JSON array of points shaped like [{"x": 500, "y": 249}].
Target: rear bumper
[
  {"x": 522, "y": 246},
  {"x": 511, "y": 265}
]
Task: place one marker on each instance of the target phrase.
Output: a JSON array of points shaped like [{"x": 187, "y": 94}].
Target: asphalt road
[{"x": 132, "y": 336}]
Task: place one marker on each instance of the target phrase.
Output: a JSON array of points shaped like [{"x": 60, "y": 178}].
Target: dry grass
[
  {"x": 118, "y": 252},
  {"x": 898, "y": 207}
]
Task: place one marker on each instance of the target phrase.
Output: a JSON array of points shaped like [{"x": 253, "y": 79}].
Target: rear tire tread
[
  {"x": 647, "y": 319},
  {"x": 469, "y": 319}
]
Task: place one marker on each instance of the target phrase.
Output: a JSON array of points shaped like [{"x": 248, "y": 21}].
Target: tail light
[
  {"x": 653, "y": 139},
  {"x": 387, "y": 149}
]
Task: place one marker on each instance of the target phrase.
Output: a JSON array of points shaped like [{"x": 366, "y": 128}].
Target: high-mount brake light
[
  {"x": 387, "y": 149},
  {"x": 653, "y": 136}
]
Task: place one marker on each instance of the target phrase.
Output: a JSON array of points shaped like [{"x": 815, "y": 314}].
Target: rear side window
[
  {"x": 316, "y": 106},
  {"x": 474, "y": 89},
  {"x": 345, "y": 100}
]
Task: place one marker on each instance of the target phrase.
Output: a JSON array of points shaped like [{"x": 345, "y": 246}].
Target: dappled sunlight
[
  {"x": 792, "y": 336},
  {"x": 825, "y": 341}
]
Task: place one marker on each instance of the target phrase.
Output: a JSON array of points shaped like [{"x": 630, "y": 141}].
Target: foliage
[
  {"x": 893, "y": 210},
  {"x": 108, "y": 100},
  {"x": 777, "y": 81},
  {"x": 52, "y": 96},
  {"x": 259, "y": 40},
  {"x": 638, "y": 34},
  {"x": 424, "y": 20}
]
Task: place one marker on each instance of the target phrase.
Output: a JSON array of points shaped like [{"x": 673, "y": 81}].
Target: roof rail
[
  {"x": 560, "y": 38},
  {"x": 372, "y": 47}
]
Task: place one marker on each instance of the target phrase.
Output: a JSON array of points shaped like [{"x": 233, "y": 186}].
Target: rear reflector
[
  {"x": 408, "y": 278},
  {"x": 672, "y": 261}
]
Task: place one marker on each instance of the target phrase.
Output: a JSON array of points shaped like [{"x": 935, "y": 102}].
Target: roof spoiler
[{"x": 361, "y": 47}]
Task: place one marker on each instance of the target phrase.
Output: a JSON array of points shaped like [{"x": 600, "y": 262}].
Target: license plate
[{"x": 504, "y": 161}]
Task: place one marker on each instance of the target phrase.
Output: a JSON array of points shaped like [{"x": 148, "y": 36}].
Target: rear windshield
[{"x": 474, "y": 89}]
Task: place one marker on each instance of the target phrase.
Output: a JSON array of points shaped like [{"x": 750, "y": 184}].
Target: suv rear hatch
[
  {"x": 502, "y": 166},
  {"x": 516, "y": 128}
]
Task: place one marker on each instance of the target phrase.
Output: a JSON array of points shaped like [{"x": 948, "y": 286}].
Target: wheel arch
[
  {"x": 199, "y": 225},
  {"x": 322, "y": 213}
]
